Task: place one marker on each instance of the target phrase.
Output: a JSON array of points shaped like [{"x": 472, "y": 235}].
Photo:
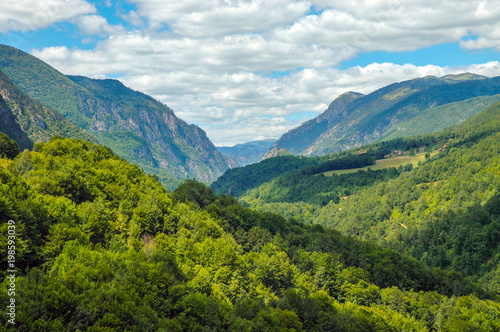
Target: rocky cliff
[{"x": 136, "y": 126}]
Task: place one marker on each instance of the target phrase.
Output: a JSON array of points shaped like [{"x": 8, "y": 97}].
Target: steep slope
[
  {"x": 445, "y": 212},
  {"x": 300, "y": 138},
  {"x": 435, "y": 119},
  {"x": 27, "y": 121},
  {"x": 247, "y": 153},
  {"x": 141, "y": 129},
  {"x": 367, "y": 119}
]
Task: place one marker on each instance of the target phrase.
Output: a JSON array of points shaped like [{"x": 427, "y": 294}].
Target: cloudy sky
[{"x": 252, "y": 69}]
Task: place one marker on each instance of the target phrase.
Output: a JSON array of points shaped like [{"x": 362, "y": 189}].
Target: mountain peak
[
  {"x": 346, "y": 97},
  {"x": 464, "y": 77}
]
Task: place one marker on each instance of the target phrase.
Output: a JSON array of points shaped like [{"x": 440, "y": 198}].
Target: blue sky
[{"x": 247, "y": 69}]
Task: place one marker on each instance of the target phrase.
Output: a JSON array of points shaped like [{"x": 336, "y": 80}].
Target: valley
[{"x": 380, "y": 214}]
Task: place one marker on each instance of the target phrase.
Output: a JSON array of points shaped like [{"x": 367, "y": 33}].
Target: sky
[{"x": 254, "y": 69}]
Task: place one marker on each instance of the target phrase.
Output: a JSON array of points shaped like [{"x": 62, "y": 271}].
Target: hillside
[
  {"x": 27, "y": 121},
  {"x": 247, "y": 153},
  {"x": 398, "y": 110},
  {"x": 299, "y": 139},
  {"x": 276, "y": 152},
  {"x": 102, "y": 246},
  {"x": 445, "y": 212},
  {"x": 237, "y": 181},
  {"x": 139, "y": 128}
]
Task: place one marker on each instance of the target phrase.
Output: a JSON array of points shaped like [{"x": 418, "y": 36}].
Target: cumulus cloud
[
  {"x": 393, "y": 25},
  {"x": 133, "y": 18},
  {"x": 136, "y": 52},
  {"x": 248, "y": 69},
  {"x": 96, "y": 25},
  {"x": 241, "y": 106},
  {"x": 29, "y": 15},
  {"x": 216, "y": 17}
]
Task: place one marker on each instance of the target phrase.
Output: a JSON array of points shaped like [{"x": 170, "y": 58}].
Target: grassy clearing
[{"x": 385, "y": 163}]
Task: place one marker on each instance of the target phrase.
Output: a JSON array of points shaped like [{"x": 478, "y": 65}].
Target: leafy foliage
[
  {"x": 102, "y": 246},
  {"x": 443, "y": 213},
  {"x": 238, "y": 180},
  {"x": 8, "y": 147}
]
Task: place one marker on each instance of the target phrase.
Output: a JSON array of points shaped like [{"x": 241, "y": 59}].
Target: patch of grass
[{"x": 385, "y": 163}]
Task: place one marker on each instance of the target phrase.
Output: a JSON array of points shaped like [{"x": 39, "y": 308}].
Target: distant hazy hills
[
  {"x": 417, "y": 106},
  {"x": 137, "y": 127},
  {"x": 247, "y": 153}
]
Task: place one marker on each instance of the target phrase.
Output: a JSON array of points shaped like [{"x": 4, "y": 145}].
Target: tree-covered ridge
[
  {"x": 137, "y": 127},
  {"x": 102, "y": 246},
  {"x": 238, "y": 181},
  {"x": 28, "y": 121},
  {"x": 445, "y": 212}
]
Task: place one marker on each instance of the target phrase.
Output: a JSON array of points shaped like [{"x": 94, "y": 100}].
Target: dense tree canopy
[
  {"x": 103, "y": 247},
  {"x": 8, "y": 147}
]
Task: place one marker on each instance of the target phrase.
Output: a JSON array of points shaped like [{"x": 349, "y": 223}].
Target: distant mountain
[
  {"x": 247, "y": 153},
  {"x": 353, "y": 120},
  {"x": 27, "y": 121},
  {"x": 300, "y": 138},
  {"x": 136, "y": 126}
]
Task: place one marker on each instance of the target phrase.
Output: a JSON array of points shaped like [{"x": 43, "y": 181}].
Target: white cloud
[
  {"x": 134, "y": 18},
  {"x": 393, "y": 25},
  {"x": 136, "y": 52},
  {"x": 30, "y": 15},
  {"x": 215, "y": 62},
  {"x": 96, "y": 25},
  {"x": 240, "y": 106},
  {"x": 218, "y": 17}
]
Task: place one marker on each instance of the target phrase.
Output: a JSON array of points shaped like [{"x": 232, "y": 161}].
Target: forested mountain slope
[
  {"x": 408, "y": 108},
  {"x": 445, "y": 212},
  {"x": 299, "y": 139},
  {"x": 139, "y": 128},
  {"x": 102, "y": 246},
  {"x": 27, "y": 121},
  {"x": 238, "y": 180}
]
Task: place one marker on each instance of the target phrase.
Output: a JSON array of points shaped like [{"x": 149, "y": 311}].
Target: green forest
[
  {"x": 445, "y": 213},
  {"x": 101, "y": 246}
]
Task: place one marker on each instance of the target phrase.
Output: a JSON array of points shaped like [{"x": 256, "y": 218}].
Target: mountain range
[
  {"x": 147, "y": 132},
  {"x": 101, "y": 246},
  {"x": 412, "y": 107},
  {"x": 139, "y": 128},
  {"x": 247, "y": 153}
]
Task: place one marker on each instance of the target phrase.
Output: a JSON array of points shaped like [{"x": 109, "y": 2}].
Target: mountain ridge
[
  {"x": 367, "y": 118},
  {"x": 140, "y": 128}
]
